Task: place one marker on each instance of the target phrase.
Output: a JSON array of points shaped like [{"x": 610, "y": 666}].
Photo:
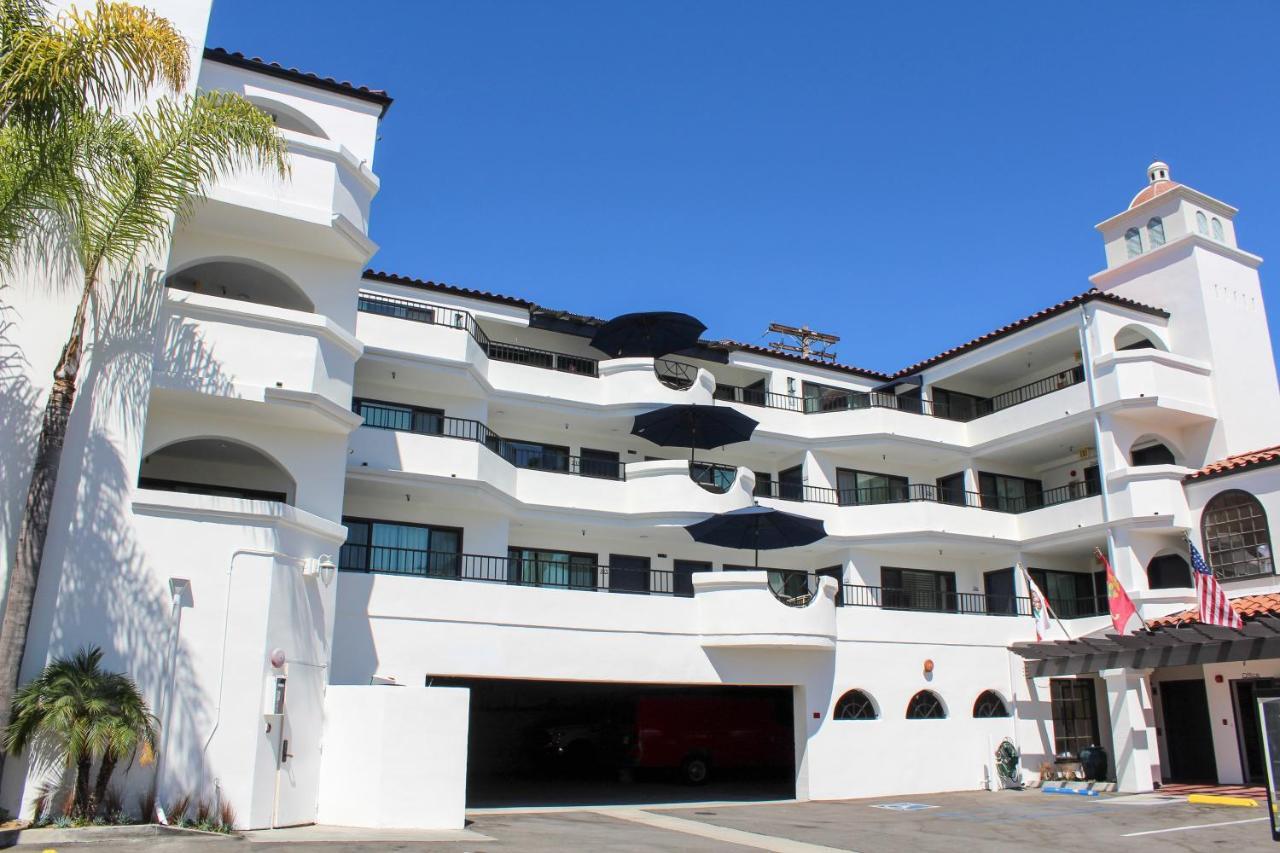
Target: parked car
[{"x": 702, "y": 735}]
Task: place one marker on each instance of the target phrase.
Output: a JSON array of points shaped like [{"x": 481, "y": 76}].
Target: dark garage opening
[{"x": 546, "y": 743}]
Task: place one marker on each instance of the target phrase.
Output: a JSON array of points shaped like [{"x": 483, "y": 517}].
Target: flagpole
[{"x": 1044, "y": 600}]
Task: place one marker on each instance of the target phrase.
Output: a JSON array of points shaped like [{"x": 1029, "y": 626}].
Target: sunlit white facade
[{"x": 474, "y": 455}]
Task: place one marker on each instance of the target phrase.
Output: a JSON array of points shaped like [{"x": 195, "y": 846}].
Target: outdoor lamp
[{"x": 322, "y": 567}]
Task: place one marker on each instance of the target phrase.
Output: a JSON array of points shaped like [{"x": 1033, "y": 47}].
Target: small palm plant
[{"x": 84, "y": 713}]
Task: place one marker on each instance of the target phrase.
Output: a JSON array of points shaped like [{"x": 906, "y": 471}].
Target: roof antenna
[{"x": 804, "y": 342}]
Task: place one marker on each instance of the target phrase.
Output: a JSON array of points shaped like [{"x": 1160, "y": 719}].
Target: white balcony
[
  {"x": 741, "y": 610},
  {"x": 322, "y": 206},
  {"x": 228, "y": 348},
  {"x": 1179, "y": 387}
]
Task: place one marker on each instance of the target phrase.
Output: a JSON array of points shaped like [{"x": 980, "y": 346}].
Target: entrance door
[
  {"x": 297, "y": 746},
  {"x": 1254, "y": 765},
  {"x": 1187, "y": 733}
]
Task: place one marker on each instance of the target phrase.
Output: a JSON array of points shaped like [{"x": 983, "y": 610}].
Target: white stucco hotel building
[{"x": 474, "y": 454}]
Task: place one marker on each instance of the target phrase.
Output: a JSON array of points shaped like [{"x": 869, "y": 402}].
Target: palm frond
[
  {"x": 99, "y": 58},
  {"x": 180, "y": 147}
]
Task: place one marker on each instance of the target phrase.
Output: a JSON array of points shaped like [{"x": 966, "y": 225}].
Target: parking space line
[
  {"x": 1193, "y": 826},
  {"x": 719, "y": 833}
]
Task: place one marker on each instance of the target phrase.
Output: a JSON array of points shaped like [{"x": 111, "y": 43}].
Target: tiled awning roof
[
  {"x": 307, "y": 78},
  {"x": 1239, "y": 462},
  {"x": 1248, "y": 606}
]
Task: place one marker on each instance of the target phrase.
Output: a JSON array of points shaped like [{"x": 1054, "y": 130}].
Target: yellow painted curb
[{"x": 1214, "y": 800}]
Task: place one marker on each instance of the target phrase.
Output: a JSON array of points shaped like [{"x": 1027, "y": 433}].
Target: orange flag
[{"x": 1118, "y": 601}]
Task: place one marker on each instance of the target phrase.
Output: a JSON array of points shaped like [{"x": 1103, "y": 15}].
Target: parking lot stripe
[
  {"x": 1193, "y": 826},
  {"x": 720, "y": 833}
]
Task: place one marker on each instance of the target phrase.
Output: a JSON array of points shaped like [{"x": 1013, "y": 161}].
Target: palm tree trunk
[
  {"x": 105, "y": 769},
  {"x": 81, "y": 799},
  {"x": 20, "y": 595}
]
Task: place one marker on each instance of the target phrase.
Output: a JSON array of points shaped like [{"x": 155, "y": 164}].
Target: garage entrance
[{"x": 545, "y": 743}]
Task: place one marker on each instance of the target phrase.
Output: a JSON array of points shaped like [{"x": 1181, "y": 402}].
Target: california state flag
[
  {"x": 1118, "y": 601},
  {"x": 1039, "y": 606}
]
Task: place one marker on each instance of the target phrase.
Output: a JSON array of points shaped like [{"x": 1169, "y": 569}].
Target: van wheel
[{"x": 695, "y": 770}]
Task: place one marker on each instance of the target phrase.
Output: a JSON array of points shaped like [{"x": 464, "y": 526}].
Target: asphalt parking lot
[{"x": 1005, "y": 821}]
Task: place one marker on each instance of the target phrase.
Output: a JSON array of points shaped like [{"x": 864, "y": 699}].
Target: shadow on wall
[
  {"x": 355, "y": 655},
  {"x": 19, "y": 425},
  {"x": 96, "y": 586}
]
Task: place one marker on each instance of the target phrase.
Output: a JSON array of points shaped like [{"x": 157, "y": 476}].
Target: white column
[{"x": 1133, "y": 731}]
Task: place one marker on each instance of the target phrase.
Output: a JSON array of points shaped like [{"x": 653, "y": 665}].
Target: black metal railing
[
  {"x": 548, "y": 574},
  {"x": 520, "y": 454},
  {"x": 927, "y": 492},
  {"x": 929, "y": 601},
  {"x": 545, "y": 359},
  {"x": 675, "y": 374},
  {"x": 1031, "y": 391},
  {"x": 713, "y": 477},
  {"x": 758, "y": 397}
]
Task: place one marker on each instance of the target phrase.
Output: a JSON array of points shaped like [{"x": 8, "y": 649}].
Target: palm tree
[
  {"x": 107, "y": 184},
  {"x": 84, "y": 713}
]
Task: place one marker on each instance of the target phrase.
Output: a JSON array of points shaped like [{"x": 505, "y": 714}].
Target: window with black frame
[
  {"x": 867, "y": 487},
  {"x": 682, "y": 577},
  {"x": 605, "y": 464},
  {"x": 1009, "y": 494},
  {"x": 825, "y": 398},
  {"x": 956, "y": 406},
  {"x": 1074, "y": 708},
  {"x": 540, "y": 567},
  {"x": 1072, "y": 594},
  {"x": 1001, "y": 592},
  {"x": 988, "y": 705},
  {"x": 917, "y": 589},
  {"x": 926, "y": 705},
  {"x": 791, "y": 484},
  {"x": 401, "y": 548},
  {"x": 535, "y": 455},
  {"x": 398, "y": 416},
  {"x": 1237, "y": 540},
  {"x": 855, "y": 705}
]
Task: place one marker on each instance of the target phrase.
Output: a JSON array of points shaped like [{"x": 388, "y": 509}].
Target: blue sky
[{"x": 906, "y": 176}]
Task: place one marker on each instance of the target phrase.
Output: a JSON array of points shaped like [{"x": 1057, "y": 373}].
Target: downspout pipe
[{"x": 1086, "y": 356}]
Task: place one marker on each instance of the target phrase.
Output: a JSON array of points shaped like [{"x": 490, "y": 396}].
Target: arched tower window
[
  {"x": 1155, "y": 231},
  {"x": 1202, "y": 223},
  {"x": 1237, "y": 541},
  {"x": 1168, "y": 571},
  {"x": 1217, "y": 229},
  {"x": 1133, "y": 242},
  {"x": 856, "y": 705},
  {"x": 926, "y": 705},
  {"x": 989, "y": 705}
]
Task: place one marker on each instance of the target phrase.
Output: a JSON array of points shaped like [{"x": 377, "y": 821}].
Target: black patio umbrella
[
  {"x": 757, "y": 527},
  {"x": 653, "y": 333},
  {"x": 694, "y": 426}
]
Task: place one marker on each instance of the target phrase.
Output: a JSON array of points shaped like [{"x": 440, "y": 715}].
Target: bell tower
[{"x": 1175, "y": 248}]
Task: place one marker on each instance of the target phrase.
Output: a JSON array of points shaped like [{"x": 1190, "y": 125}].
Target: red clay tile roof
[
  {"x": 1239, "y": 462},
  {"x": 1152, "y": 190},
  {"x": 1089, "y": 295},
  {"x": 439, "y": 287},
  {"x": 1248, "y": 606},
  {"x": 275, "y": 69}
]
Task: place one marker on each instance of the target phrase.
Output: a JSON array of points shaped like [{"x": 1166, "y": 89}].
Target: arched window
[
  {"x": 1137, "y": 337},
  {"x": 1168, "y": 571},
  {"x": 1237, "y": 543},
  {"x": 856, "y": 705},
  {"x": 1202, "y": 223},
  {"x": 926, "y": 705},
  {"x": 1133, "y": 242},
  {"x": 1155, "y": 231},
  {"x": 1151, "y": 453},
  {"x": 1217, "y": 229},
  {"x": 988, "y": 705}
]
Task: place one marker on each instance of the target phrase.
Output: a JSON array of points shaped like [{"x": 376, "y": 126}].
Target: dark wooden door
[{"x": 1188, "y": 735}]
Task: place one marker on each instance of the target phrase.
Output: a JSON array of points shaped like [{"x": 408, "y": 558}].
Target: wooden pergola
[{"x": 1170, "y": 645}]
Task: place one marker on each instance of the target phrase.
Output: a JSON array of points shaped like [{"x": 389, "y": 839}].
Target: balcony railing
[
  {"x": 519, "y": 454},
  {"x": 929, "y": 492},
  {"x": 1031, "y": 391},
  {"x": 675, "y": 374},
  {"x": 758, "y": 397},
  {"x": 439, "y": 315},
  {"x": 713, "y": 477},
  {"x": 547, "y": 574},
  {"x": 889, "y": 598}
]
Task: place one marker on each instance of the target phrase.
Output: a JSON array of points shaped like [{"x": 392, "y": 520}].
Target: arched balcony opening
[
  {"x": 1153, "y": 450},
  {"x": 238, "y": 279},
  {"x": 287, "y": 117},
  {"x": 220, "y": 467},
  {"x": 1138, "y": 337},
  {"x": 1168, "y": 571}
]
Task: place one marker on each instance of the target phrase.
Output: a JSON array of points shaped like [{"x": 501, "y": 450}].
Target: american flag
[{"x": 1215, "y": 607}]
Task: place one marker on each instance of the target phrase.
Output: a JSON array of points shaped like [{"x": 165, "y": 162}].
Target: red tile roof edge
[
  {"x": 1239, "y": 462},
  {"x": 275, "y": 69},
  {"x": 1248, "y": 606},
  {"x": 1088, "y": 296}
]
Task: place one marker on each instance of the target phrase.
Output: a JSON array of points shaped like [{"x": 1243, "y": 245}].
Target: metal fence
[{"x": 890, "y": 598}]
